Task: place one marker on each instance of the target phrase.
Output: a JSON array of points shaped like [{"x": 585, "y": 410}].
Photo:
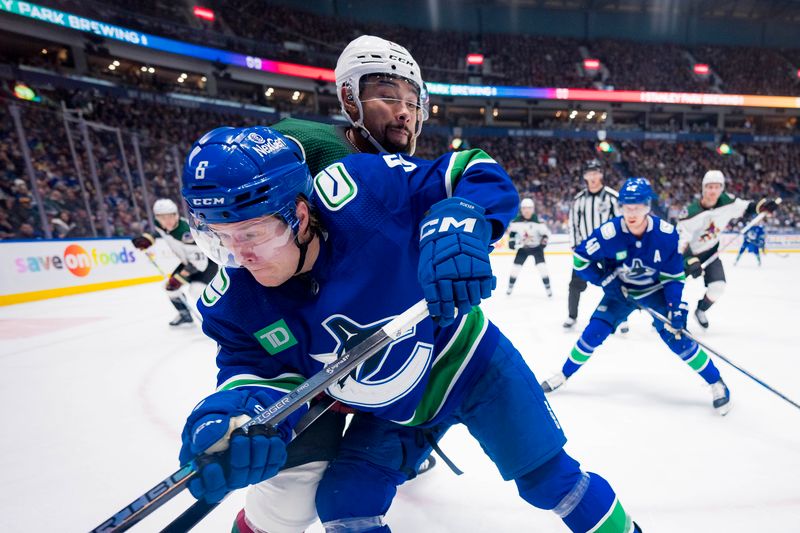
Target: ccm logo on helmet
[
  {"x": 401, "y": 60},
  {"x": 208, "y": 201}
]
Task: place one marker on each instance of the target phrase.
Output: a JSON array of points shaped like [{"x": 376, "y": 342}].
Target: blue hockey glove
[
  {"x": 677, "y": 318},
  {"x": 248, "y": 457},
  {"x": 614, "y": 290},
  {"x": 454, "y": 269}
]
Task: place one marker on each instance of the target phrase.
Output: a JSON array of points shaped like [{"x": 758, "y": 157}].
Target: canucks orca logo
[
  {"x": 637, "y": 273},
  {"x": 386, "y": 376}
]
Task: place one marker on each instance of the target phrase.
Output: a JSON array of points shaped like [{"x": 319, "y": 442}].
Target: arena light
[
  {"x": 798, "y": 73},
  {"x": 474, "y": 59},
  {"x": 456, "y": 143},
  {"x": 605, "y": 147},
  {"x": 701, "y": 68},
  {"x": 724, "y": 149},
  {"x": 203, "y": 13},
  {"x": 591, "y": 64},
  {"x": 23, "y": 92}
]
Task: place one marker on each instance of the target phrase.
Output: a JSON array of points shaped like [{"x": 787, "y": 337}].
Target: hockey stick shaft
[
  {"x": 758, "y": 218},
  {"x": 665, "y": 320},
  {"x": 165, "y": 490},
  {"x": 155, "y": 264},
  {"x": 201, "y": 508},
  {"x": 192, "y": 310}
]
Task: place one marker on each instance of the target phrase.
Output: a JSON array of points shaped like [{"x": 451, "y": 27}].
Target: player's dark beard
[{"x": 394, "y": 148}]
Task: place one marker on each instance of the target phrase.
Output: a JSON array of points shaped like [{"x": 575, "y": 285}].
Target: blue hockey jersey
[
  {"x": 366, "y": 273},
  {"x": 644, "y": 264},
  {"x": 755, "y": 236}
]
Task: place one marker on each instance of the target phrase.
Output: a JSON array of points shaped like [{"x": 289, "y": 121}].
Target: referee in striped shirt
[{"x": 593, "y": 206}]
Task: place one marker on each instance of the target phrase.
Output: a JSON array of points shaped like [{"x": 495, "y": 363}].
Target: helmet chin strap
[
  {"x": 303, "y": 247},
  {"x": 365, "y": 133}
]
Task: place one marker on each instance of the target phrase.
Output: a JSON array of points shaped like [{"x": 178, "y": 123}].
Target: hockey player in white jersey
[
  {"x": 529, "y": 237},
  {"x": 700, "y": 228},
  {"x": 194, "y": 270}
]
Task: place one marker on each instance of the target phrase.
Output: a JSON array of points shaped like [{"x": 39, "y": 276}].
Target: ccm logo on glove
[{"x": 447, "y": 223}]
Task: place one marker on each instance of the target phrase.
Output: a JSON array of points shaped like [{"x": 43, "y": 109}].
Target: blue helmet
[
  {"x": 236, "y": 174},
  {"x": 636, "y": 191}
]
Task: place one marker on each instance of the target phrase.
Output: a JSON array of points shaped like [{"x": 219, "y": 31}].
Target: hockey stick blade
[
  {"x": 665, "y": 320},
  {"x": 167, "y": 489},
  {"x": 201, "y": 508}
]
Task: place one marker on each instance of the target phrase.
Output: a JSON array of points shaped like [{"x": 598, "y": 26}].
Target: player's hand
[
  {"x": 231, "y": 458},
  {"x": 143, "y": 241},
  {"x": 766, "y": 205},
  {"x": 454, "y": 269},
  {"x": 544, "y": 241},
  {"x": 615, "y": 290},
  {"x": 175, "y": 282},
  {"x": 693, "y": 267},
  {"x": 677, "y": 319},
  {"x": 512, "y": 244}
]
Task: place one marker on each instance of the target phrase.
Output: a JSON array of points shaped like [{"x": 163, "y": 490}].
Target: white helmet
[
  {"x": 165, "y": 206},
  {"x": 367, "y": 55},
  {"x": 714, "y": 176},
  {"x": 526, "y": 202}
]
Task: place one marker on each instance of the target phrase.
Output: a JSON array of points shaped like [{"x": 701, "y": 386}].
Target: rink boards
[{"x": 42, "y": 269}]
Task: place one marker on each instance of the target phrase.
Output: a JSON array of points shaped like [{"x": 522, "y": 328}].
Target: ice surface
[{"x": 94, "y": 390}]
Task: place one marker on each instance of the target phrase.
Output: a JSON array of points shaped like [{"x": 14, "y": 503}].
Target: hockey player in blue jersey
[
  {"x": 635, "y": 258},
  {"x": 754, "y": 240},
  {"x": 305, "y": 281}
]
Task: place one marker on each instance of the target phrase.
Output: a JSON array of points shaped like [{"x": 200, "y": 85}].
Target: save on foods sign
[{"x": 35, "y": 270}]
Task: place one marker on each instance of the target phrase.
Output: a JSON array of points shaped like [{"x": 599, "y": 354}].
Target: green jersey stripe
[
  {"x": 283, "y": 383},
  {"x": 459, "y": 163},
  {"x": 663, "y": 276},
  {"x": 448, "y": 367},
  {"x": 698, "y": 361},
  {"x": 579, "y": 262},
  {"x": 616, "y": 520}
]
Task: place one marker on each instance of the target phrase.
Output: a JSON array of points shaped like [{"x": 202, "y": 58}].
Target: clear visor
[
  {"x": 250, "y": 243},
  {"x": 635, "y": 210},
  {"x": 397, "y": 91}
]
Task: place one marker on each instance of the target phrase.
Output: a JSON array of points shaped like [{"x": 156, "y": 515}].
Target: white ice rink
[{"x": 94, "y": 390}]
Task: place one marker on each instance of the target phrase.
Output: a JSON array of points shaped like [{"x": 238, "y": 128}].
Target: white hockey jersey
[
  {"x": 700, "y": 229},
  {"x": 527, "y": 233}
]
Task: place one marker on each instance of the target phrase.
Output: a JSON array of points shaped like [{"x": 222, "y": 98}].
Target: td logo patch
[{"x": 276, "y": 337}]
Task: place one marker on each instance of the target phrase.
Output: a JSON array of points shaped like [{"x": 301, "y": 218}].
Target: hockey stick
[
  {"x": 684, "y": 331},
  {"x": 201, "y": 508},
  {"x": 165, "y": 490},
  {"x": 758, "y": 218},
  {"x": 192, "y": 310}
]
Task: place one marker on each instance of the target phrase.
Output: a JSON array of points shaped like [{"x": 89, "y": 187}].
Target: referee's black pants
[{"x": 576, "y": 286}]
